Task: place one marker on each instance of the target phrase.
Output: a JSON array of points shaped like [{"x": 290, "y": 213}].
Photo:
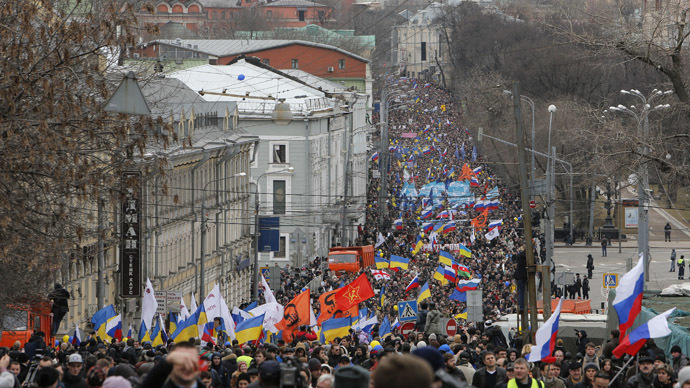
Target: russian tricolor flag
[
  {"x": 445, "y": 152},
  {"x": 427, "y": 227},
  {"x": 546, "y": 337},
  {"x": 398, "y": 224},
  {"x": 443, "y": 214},
  {"x": 628, "y": 302},
  {"x": 656, "y": 327},
  {"x": 495, "y": 224},
  {"x": 468, "y": 285},
  {"x": 480, "y": 205},
  {"x": 375, "y": 157},
  {"x": 426, "y": 213},
  {"x": 474, "y": 182},
  {"x": 449, "y": 273},
  {"x": 413, "y": 284},
  {"x": 477, "y": 170},
  {"x": 492, "y": 204},
  {"x": 449, "y": 227}
]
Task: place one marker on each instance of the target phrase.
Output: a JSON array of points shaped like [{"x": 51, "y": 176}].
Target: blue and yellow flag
[
  {"x": 385, "y": 328},
  {"x": 399, "y": 262},
  {"x": 424, "y": 293},
  {"x": 335, "y": 328},
  {"x": 381, "y": 263},
  {"x": 100, "y": 319},
  {"x": 382, "y": 296},
  {"x": 445, "y": 258},
  {"x": 190, "y": 327},
  {"x": 249, "y": 329},
  {"x": 462, "y": 315},
  {"x": 440, "y": 275}
]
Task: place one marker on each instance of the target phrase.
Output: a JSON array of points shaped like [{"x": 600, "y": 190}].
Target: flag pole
[{"x": 622, "y": 369}]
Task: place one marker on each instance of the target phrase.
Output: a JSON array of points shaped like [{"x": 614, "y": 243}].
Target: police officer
[{"x": 681, "y": 267}]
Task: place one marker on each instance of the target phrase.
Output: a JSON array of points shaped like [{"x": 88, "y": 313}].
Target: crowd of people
[{"x": 480, "y": 355}]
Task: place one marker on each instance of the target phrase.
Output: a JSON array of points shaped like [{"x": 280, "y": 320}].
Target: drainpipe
[{"x": 309, "y": 197}]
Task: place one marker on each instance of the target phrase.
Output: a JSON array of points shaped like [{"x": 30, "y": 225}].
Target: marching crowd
[{"x": 480, "y": 355}]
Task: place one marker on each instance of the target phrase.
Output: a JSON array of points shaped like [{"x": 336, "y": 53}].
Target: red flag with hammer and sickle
[{"x": 357, "y": 291}]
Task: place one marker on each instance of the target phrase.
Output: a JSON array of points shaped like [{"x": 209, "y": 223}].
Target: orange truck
[
  {"x": 350, "y": 259},
  {"x": 20, "y": 321}
]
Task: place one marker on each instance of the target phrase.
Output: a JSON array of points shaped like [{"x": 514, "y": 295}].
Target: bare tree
[{"x": 59, "y": 150}]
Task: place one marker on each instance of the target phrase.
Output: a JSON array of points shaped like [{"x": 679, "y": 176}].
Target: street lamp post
[
  {"x": 204, "y": 220},
  {"x": 550, "y": 180},
  {"x": 255, "y": 285},
  {"x": 642, "y": 118}
]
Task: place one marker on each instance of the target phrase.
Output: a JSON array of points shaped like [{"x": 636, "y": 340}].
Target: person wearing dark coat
[
  {"x": 578, "y": 286},
  {"x": 59, "y": 296},
  {"x": 590, "y": 265},
  {"x": 585, "y": 287},
  {"x": 611, "y": 344},
  {"x": 36, "y": 342},
  {"x": 581, "y": 341}
]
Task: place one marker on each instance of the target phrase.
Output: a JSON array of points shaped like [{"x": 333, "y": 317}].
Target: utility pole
[
  {"x": 643, "y": 194},
  {"x": 202, "y": 264},
  {"x": 526, "y": 212},
  {"x": 100, "y": 289},
  {"x": 348, "y": 140}
]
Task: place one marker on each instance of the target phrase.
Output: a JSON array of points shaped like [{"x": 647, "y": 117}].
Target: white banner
[{"x": 631, "y": 220}]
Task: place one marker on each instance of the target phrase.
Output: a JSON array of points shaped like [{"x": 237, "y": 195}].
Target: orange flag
[
  {"x": 329, "y": 308},
  {"x": 296, "y": 314},
  {"x": 466, "y": 173},
  {"x": 481, "y": 220},
  {"x": 357, "y": 291}
]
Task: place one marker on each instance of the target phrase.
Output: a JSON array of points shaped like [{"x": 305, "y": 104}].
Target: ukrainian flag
[
  {"x": 440, "y": 275},
  {"x": 445, "y": 258},
  {"x": 385, "y": 328},
  {"x": 462, "y": 315},
  {"x": 381, "y": 263},
  {"x": 334, "y": 328},
  {"x": 465, "y": 251},
  {"x": 190, "y": 327},
  {"x": 159, "y": 335},
  {"x": 399, "y": 262},
  {"x": 100, "y": 320},
  {"x": 424, "y": 293},
  {"x": 172, "y": 318},
  {"x": 382, "y": 297},
  {"x": 249, "y": 329}
]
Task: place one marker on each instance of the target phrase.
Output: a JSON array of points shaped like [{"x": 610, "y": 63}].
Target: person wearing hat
[
  {"x": 222, "y": 373},
  {"x": 550, "y": 379},
  {"x": 589, "y": 370},
  {"x": 684, "y": 378},
  {"x": 253, "y": 373},
  {"x": 463, "y": 363},
  {"x": 678, "y": 360},
  {"x": 314, "y": 366},
  {"x": 574, "y": 374},
  {"x": 522, "y": 378},
  {"x": 73, "y": 377},
  {"x": 645, "y": 375},
  {"x": 351, "y": 376},
  {"x": 269, "y": 374},
  {"x": 403, "y": 371}
]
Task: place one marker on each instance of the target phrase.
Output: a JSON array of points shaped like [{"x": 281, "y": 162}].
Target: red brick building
[{"x": 321, "y": 60}]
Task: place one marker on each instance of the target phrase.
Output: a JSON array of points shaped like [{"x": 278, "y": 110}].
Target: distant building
[
  {"x": 308, "y": 200},
  {"x": 321, "y": 60}
]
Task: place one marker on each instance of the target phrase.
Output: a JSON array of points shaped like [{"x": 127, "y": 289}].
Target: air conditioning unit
[{"x": 330, "y": 69}]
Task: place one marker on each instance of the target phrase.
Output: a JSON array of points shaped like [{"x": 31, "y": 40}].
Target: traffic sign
[
  {"x": 266, "y": 272},
  {"x": 532, "y": 204},
  {"x": 406, "y": 328},
  {"x": 407, "y": 310},
  {"x": 451, "y": 327},
  {"x": 610, "y": 280}
]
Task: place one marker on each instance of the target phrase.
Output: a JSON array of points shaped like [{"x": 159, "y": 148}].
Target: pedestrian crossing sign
[
  {"x": 610, "y": 280},
  {"x": 407, "y": 310}
]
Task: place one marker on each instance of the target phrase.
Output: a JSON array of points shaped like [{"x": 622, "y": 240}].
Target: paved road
[{"x": 573, "y": 259}]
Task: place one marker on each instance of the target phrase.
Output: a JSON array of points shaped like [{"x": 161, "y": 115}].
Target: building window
[
  {"x": 278, "y": 197},
  {"x": 280, "y": 254},
  {"x": 341, "y": 64},
  {"x": 295, "y": 64},
  {"x": 269, "y": 14},
  {"x": 266, "y": 61},
  {"x": 300, "y": 15},
  {"x": 322, "y": 15},
  {"x": 423, "y": 51},
  {"x": 279, "y": 154}
]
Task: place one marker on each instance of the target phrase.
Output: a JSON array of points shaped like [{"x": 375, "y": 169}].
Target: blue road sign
[
  {"x": 610, "y": 280},
  {"x": 407, "y": 310},
  {"x": 266, "y": 272}
]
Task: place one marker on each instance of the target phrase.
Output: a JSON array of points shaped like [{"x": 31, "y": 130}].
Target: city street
[{"x": 573, "y": 259}]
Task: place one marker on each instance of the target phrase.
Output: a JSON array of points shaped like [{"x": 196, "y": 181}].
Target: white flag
[
  {"x": 193, "y": 305},
  {"x": 380, "y": 240},
  {"x": 148, "y": 306},
  {"x": 215, "y": 307},
  {"x": 472, "y": 238},
  {"x": 273, "y": 313},
  {"x": 268, "y": 294},
  {"x": 312, "y": 318},
  {"x": 493, "y": 233},
  {"x": 184, "y": 313}
]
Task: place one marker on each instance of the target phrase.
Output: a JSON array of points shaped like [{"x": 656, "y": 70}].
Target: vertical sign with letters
[{"x": 130, "y": 242}]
